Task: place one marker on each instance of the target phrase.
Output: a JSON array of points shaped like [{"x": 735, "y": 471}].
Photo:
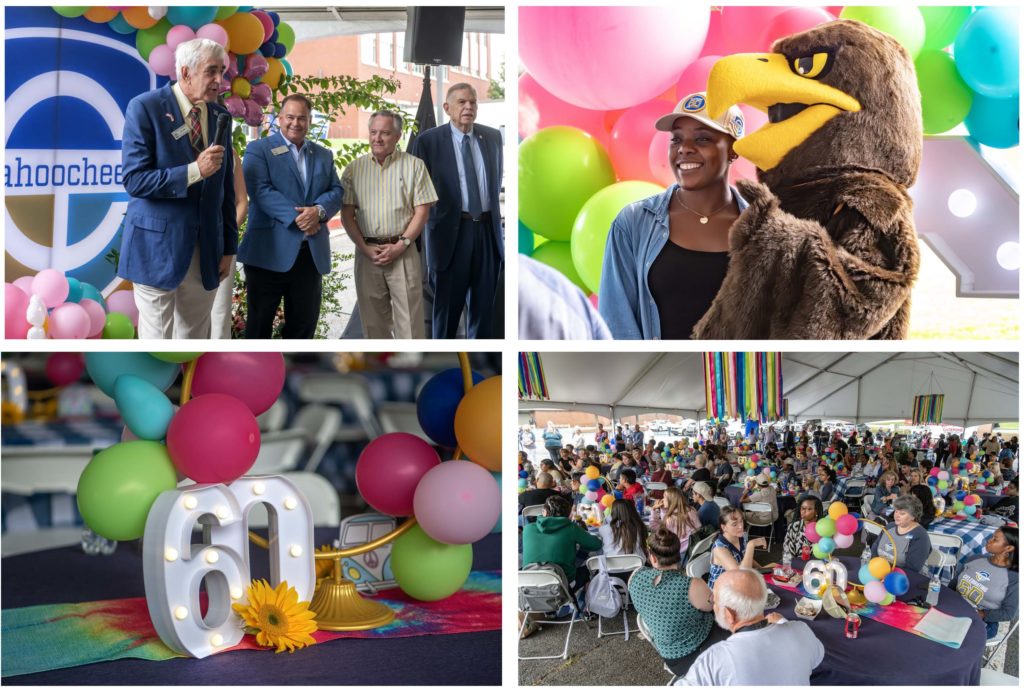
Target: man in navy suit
[
  {"x": 464, "y": 239},
  {"x": 180, "y": 232},
  {"x": 293, "y": 190}
]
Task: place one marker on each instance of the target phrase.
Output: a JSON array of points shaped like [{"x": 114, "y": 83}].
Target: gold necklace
[{"x": 703, "y": 218}]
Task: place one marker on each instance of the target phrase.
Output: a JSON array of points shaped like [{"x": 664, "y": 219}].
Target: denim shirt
[{"x": 635, "y": 239}]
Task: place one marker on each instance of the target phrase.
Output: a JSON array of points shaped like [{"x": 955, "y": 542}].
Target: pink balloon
[
  {"x": 604, "y": 58},
  {"x": 811, "y": 533},
  {"x": 457, "y": 502},
  {"x": 789, "y": 21},
  {"x": 261, "y": 94},
  {"x": 266, "y": 21},
  {"x": 232, "y": 69},
  {"x": 25, "y": 284},
  {"x": 593, "y": 300},
  {"x": 69, "y": 321},
  {"x": 695, "y": 77},
  {"x": 52, "y": 286},
  {"x": 846, "y": 525},
  {"x": 390, "y": 468},
  {"x": 213, "y": 438},
  {"x": 590, "y": 495},
  {"x": 235, "y": 106},
  {"x": 124, "y": 302},
  {"x": 737, "y": 29},
  {"x": 255, "y": 66},
  {"x": 64, "y": 368},
  {"x": 179, "y": 34},
  {"x": 254, "y": 378},
  {"x": 161, "y": 59},
  {"x": 539, "y": 109},
  {"x": 657, "y": 158},
  {"x": 15, "y": 305},
  {"x": 843, "y": 540},
  {"x": 875, "y": 591},
  {"x": 97, "y": 316},
  {"x": 253, "y": 113},
  {"x": 214, "y": 32},
  {"x": 631, "y": 140}
]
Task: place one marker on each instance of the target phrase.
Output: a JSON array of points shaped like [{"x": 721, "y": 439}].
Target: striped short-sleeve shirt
[{"x": 385, "y": 195}]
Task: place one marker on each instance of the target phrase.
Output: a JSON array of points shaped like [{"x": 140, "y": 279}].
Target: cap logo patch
[
  {"x": 737, "y": 126},
  {"x": 694, "y": 103}
]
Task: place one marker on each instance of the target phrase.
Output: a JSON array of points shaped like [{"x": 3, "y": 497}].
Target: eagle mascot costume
[{"x": 827, "y": 248}]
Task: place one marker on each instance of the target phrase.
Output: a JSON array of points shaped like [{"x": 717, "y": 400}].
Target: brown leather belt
[
  {"x": 383, "y": 241},
  {"x": 486, "y": 216}
]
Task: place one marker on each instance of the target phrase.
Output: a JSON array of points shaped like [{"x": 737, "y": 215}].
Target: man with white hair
[
  {"x": 762, "y": 650},
  {"x": 180, "y": 230}
]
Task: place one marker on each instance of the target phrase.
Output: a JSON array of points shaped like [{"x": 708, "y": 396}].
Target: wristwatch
[
  {"x": 405, "y": 241},
  {"x": 321, "y": 212}
]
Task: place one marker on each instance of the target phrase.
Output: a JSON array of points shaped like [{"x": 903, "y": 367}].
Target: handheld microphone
[{"x": 223, "y": 123}]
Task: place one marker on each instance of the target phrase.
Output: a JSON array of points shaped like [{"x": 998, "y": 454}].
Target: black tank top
[{"x": 684, "y": 283}]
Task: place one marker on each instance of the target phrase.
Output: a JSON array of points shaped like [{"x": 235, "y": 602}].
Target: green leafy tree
[{"x": 496, "y": 91}]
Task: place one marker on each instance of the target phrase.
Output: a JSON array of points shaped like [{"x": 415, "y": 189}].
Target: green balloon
[
  {"x": 818, "y": 553},
  {"x": 538, "y": 240},
  {"x": 428, "y": 570},
  {"x": 118, "y": 326},
  {"x": 903, "y": 22},
  {"x": 558, "y": 255},
  {"x": 120, "y": 484},
  {"x": 179, "y": 357},
  {"x": 590, "y": 230},
  {"x": 826, "y": 527},
  {"x": 225, "y": 12},
  {"x": 945, "y": 97},
  {"x": 286, "y": 36},
  {"x": 942, "y": 24},
  {"x": 560, "y": 168},
  {"x": 148, "y": 39},
  {"x": 70, "y": 12}
]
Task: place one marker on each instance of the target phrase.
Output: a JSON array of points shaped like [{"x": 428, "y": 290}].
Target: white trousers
[{"x": 180, "y": 313}]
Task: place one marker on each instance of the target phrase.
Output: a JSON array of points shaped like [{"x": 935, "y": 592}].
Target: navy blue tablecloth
[
  {"x": 884, "y": 655},
  {"x": 67, "y": 575}
]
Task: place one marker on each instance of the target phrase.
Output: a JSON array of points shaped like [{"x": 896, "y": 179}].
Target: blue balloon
[
  {"x": 120, "y": 25},
  {"x": 92, "y": 293},
  {"x": 275, "y": 17},
  {"x": 436, "y": 404},
  {"x": 146, "y": 410},
  {"x": 267, "y": 50},
  {"x": 525, "y": 240},
  {"x": 618, "y": 494},
  {"x": 74, "y": 290},
  {"x": 105, "y": 368},
  {"x": 932, "y": 480},
  {"x": 522, "y": 482},
  {"x": 994, "y": 122},
  {"x": 866, "y": 576},
  {"x": 970, "y": 509},
  {"x": 497, "y": 477},
  {"x": 524, "y": 474},
  {"x": 985, "y": 51},
  {"x": 961, "y": 494},
  {"x": 826, "y": 545},
  {"x": 896, "y": 583},
  {"x": 280, "y": 50},
  {"x": 593, "y": 484},
  {"x": 274, "y": 36},
  {"x": 191, "y": 16}
]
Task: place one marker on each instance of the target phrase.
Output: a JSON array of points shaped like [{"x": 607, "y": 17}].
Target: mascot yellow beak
[{"x": 796, "y": 101}]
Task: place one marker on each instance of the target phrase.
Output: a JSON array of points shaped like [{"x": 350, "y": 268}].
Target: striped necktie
[
  {"x": 195, "y": 130},
  {"x": 472, "y": 185}
]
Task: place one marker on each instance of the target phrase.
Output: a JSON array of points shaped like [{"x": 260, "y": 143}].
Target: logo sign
[{"x": 67, "y": 86}]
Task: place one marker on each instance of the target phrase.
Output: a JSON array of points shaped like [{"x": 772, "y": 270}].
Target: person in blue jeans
[
  {"x": 989, "y": 583},
  {"x": 552, "y": 441}
]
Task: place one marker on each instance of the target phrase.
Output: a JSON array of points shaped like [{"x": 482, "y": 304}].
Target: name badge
[
  {"x": 180, "y": 132},
  {"x": 277, "y": 151}
]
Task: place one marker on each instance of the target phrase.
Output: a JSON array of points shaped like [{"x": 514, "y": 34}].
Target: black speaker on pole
[{"x": 433, "y": 35}]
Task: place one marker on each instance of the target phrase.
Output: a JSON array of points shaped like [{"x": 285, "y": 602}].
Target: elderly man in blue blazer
[
  {"x": 293, "y": 190},
  {"x": 180, "y": 233},
  {"x": 463, "y": 237}
]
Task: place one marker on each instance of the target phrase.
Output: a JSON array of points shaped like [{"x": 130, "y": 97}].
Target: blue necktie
[{"x": 472, "y": 186}]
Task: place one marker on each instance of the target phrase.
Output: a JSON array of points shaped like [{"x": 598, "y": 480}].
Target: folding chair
[
  {"x": 652, "y": 486},
  {"x": 703, "y": 546},
  {"x": 945, "y": 553},
  {"x": 854, "y": 490},
  {"x": 700, "y": 566},
  {"x": 993, "y": 678},
  {"x": 400, "y": 416},
  {"x": 320, "y": 425},
  {"x": 993, "y": 644},
  {"x": 322, "y": 497},
  {"x": 274, "y": 418},
  {"x": 533, "y": 511},
  {"x": 279, "y": 452},
  {"x": 769, "y": 524},
  {"x": 546, "y": 577},
  {"x": 617, "y": 564},
  {"x": 722, "y": 502},
  {"x": 646, "y": 634},
  {"x": 348, "y": 390}
]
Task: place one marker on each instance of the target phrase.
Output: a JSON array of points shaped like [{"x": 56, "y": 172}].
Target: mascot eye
[{"x": 812, "y": 66}]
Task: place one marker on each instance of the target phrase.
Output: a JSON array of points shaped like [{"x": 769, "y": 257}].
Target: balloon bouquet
[
  {"x": 957, "y": 483},
  {"x": 50, "y": 305},
  {"x": 586, "y": 113},
  {"x": 257, "y": 42}
]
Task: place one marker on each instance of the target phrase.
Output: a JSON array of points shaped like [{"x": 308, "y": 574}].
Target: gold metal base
[{"x": 339, "y": 607}]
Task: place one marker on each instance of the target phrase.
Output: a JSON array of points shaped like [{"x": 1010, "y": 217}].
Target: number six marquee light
[{"x": 130, "y": 490}]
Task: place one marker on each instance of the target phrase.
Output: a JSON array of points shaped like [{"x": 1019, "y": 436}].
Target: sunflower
[{"x": 277, "y": 617}]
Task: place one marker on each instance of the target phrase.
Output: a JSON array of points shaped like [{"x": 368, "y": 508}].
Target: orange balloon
[
  {"x": 138, "y": 17},
  {"x": 245, "y": 33},
  {"x": 478, "y": 423},
  {"x": 275, "y": 70},
  {"x": 101, "y": 15}
]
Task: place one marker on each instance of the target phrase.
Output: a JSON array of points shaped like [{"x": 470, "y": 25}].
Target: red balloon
[
  {"x": 390, "y": 468},
  {"x": 64, "y": 368},
  {"x": 539, "y": 109},
  {"x": 695, "y": 77},
  {"x": 791, "y": 21},
  {"x": 631, "y": 140},
  {"x": 214, "y": 438},
  {"x": 255, "y": 378}
]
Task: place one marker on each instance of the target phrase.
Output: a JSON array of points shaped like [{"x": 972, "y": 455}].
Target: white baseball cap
[{"x": 695, "y": 106}]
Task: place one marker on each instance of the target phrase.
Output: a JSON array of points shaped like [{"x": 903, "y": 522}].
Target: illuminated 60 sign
[{"x": 175, "y": 568}]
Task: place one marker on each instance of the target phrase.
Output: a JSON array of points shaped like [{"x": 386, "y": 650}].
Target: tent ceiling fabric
[
  {"x": 859, "y": 387},
  {"x": 318, "y": 22}
]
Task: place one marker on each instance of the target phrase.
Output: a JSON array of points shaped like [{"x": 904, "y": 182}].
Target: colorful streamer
[
  {"x": 928, "y": 409},
  {"x": 532, "y": 383},
  {"x": 747, "y": 386}
]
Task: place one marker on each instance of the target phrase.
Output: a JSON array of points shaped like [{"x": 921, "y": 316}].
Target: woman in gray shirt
[
  {"x": 989, "y": 583},
  {"x": 912, "y": 544}
]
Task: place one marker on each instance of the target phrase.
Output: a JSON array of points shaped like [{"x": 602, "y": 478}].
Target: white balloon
[
  {"x": 36, "y": 333},
  {"x": 36, "y": 313},
  {"x": 157, "y": 11}
]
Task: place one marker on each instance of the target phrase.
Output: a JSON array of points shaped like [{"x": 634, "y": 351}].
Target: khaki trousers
[
  {"x": 391, "y": 297},
  {"x": 181, "y": 313}
]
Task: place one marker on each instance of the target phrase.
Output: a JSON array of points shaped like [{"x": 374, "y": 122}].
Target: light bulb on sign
[
  {"x": 1008, "y": 255},
  {"x": 962, "y": 203}
]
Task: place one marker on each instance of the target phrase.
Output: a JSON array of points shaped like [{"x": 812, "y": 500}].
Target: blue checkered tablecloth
[
  {"x": 973, "y": 533},
  {"x": 94, "y": 432},
  {"x": 842, "y": 482}
]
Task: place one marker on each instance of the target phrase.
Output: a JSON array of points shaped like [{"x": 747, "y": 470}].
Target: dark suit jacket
[
  {"x": 166, "y": 217},
  {"x": 272, "y": 240},
  {"x": 435, "y": 148}
]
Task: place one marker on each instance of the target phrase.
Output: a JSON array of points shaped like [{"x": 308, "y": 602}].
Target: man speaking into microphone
[{"x": 180, "y": 233}]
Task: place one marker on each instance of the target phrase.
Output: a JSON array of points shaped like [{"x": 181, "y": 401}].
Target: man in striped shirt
[{"x": 388, "y": 195}]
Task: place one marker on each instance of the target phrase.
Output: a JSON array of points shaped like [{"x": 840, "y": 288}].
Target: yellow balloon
[
  {"x": 245, "y": 33},
  {"x": 879, "y": 567},
  {"x": 478, "y": 423},
  {"x": 838, "y": 509},
  {"x": 275, "y": 70},
  {"x": 138, "y": 17},
  {"x": 607, "y": 500},
  {"x": 102, "y": 15},
  {"x": 592, "y": 472}
]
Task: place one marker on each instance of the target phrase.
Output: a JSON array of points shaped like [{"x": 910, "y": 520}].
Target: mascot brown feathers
[{"x": 827, "y": 248}]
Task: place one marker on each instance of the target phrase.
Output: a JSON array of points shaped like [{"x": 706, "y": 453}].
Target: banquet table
[
  {"x": 91, "y": 432},
  {"x": 68, "y": 575},
  {"x": 974, "y": 534},
  {"x": 884, "y": 655}
]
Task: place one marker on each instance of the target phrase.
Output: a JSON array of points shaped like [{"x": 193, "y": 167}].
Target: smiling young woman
[{"x": 667, "y": 255}]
